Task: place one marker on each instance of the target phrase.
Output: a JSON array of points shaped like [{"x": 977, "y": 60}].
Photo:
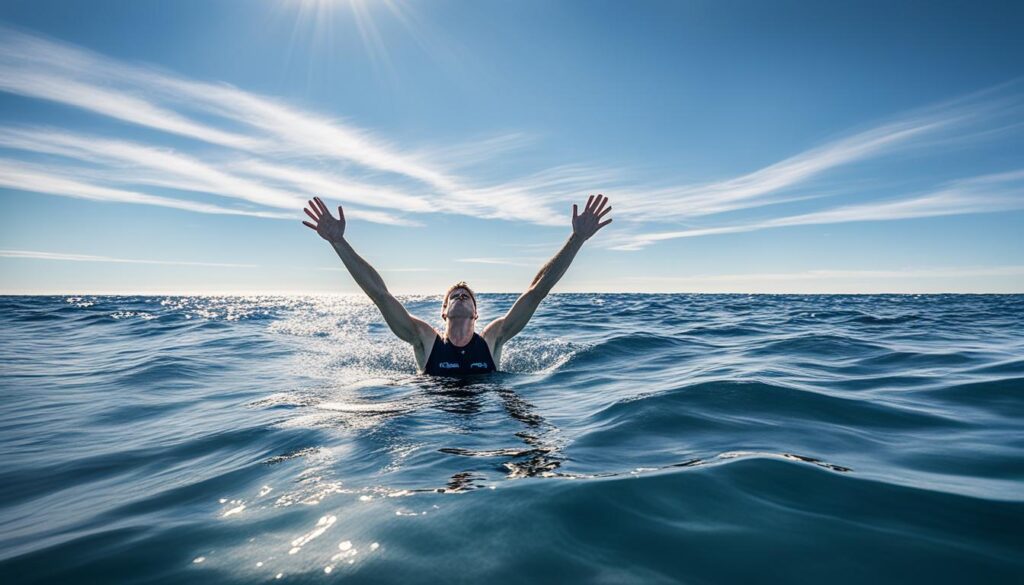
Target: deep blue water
[{"x": 633, "y": 439}]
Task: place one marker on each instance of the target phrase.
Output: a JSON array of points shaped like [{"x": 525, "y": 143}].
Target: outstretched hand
[
  {"x": 587, "y": 223},
  {"x": 330, "y": 229}
]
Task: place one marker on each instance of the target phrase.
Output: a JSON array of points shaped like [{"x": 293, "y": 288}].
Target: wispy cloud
[
  {"x": 335, "y": 187},
  {"x": 983, "y": 194},
  {"x": 550, "y": 245},
  {"x": 781, "y": 182},
  {"x": 39, "y": 68},
  {"x": 36, "y": 255},
  {"x": 825, "y": 274},
  {"x": 134, "y": 163},
  {"x": 343, "y": 269},
  {"x": 532, "y": 198},
  {"x": 258, "y": 151},
  {"x": 252, "y": 130},
  {"x": 169, "y": 168},
  {"x": 533, "y": 262},
  {"x": 21, "y": 176},
  {"x": 949, "y": 279}
]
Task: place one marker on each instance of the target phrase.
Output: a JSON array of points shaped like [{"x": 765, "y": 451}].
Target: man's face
[{"x": 460, "y": 304}]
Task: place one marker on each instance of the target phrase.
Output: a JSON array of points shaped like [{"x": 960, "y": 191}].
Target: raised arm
[
  {"x": 584, "y": 225},
  {"x": 404, "y": 325}
]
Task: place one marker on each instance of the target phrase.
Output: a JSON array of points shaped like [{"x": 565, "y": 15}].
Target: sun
[{"x": 316, "y": 21}]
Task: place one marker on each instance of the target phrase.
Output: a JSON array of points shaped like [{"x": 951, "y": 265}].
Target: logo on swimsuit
[
  {"x": 478, "y": 365},
  {"x": 448, "y": 365}
]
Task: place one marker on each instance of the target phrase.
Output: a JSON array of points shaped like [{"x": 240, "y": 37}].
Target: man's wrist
[{"x": 576, "y": 240}]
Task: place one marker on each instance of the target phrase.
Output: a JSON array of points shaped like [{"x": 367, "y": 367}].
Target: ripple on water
[{"x": 633, "y": 438}]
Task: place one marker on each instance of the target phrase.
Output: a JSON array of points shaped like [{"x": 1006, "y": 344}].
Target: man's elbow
[
  {"x": 379, "y": 295},
  {"x": 536, "y": 293}
]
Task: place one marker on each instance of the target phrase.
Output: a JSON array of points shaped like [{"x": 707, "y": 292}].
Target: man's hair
[{"x": 460, "y": 284}]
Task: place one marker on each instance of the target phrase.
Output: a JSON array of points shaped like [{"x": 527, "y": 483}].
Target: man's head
[{"x": 459, "y": 301}]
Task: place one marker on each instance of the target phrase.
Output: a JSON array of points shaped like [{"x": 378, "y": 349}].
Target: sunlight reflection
[
  {"x": 236, "y": 510},
  {"x": 322, "y": 525}
]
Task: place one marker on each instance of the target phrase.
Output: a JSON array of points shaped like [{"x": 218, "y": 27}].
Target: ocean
[{"x": 651, "y": 439}]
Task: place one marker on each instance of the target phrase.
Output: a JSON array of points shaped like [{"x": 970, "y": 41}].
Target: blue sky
[{"x": 169, "y": 147}]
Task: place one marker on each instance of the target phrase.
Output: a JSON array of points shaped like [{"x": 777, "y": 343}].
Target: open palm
[
  {"x": 330, "y": 229},
  {"x": 587, "y": 223}
]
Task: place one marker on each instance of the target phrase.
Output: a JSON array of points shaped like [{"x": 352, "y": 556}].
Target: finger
[
  {"x": 323, "y": 208},
  {"x": 575, "y": 213},
  {"x": 605, "y": 212},
  {"x": 309, "y": 225},
  {"x": 311, "y": 216},
  {"x": 600, "y": 203},
  {"x": 315, "y": 209},
  {"x": 603, "y": 223},
  {"x": 341, "y": 214},
  {"x": 589, "y": 201}
]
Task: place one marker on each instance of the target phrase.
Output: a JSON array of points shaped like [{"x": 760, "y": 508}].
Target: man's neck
[{"x": 459, "y": 331}]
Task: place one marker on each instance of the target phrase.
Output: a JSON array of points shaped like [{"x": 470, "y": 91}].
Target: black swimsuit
[{"x": 448, "y": 359}]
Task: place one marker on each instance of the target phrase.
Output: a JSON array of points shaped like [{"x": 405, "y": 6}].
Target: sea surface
[{"x": 630, "y": 439}]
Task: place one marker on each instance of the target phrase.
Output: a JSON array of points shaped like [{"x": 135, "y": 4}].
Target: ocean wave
[
  {"x": 714, "y": 404},
  {"x": 818, "y": 345},
  {"x": 630, "y": 438}
]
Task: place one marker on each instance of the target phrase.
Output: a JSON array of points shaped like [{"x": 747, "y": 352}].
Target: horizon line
[{"x": 403, "y": 294}]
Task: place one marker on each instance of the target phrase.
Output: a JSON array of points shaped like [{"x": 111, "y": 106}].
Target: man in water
[{"x": 460, "y": 350}]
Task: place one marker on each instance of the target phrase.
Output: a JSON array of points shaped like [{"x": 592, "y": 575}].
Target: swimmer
[{"x": 460, "y": 350}]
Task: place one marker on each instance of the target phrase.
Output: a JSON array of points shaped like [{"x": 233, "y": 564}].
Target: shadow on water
[
  {"x": 540, "y": 453},
  {"x": 504, "y": 437}
]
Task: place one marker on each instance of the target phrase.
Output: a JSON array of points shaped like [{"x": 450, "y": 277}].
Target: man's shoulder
[
  {"x": 492, "y": 336},
  {"x": 493, "y": 331},
  {"x": 427, "y": 334}
]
